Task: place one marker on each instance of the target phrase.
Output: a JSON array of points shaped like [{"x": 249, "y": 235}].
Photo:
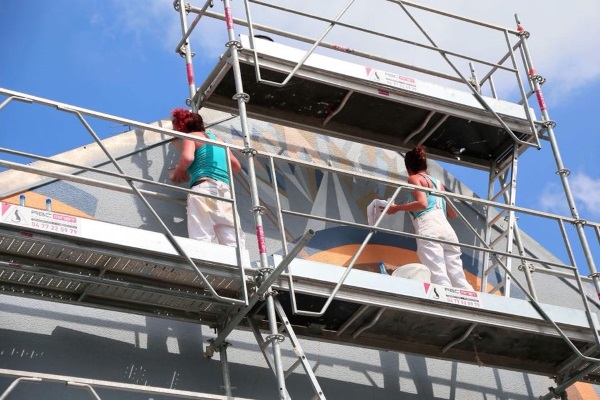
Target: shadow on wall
[
  {"x": 164, "y": 353},
  {"x": 451, "y": 380},
  {"x": 155, "y": 167},
  {"x": 168, "y": 354}
]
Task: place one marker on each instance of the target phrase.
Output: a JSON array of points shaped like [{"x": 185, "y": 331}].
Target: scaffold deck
[
  {"x": 96, "y": 264},
  {"x": 368, "y": 105}
]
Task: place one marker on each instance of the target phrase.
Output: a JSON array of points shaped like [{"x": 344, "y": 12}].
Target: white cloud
[
  {"x": 147, "y": 20},
  {"x": 586, "y": 193},
  {"x": 552, "y": 199}
]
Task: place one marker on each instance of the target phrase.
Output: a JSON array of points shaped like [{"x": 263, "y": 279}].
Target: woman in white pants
[
  {"x": 429, "y": 219},
  {"x": 205, "y": 166}
]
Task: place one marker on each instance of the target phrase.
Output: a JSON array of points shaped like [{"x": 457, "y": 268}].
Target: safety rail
[
  {"x": 88, "y": 384},
  {"x": 481, "y": 245},
  {"x": 396, "y": 184},
  {"x": 79, "y": 112},
  {"x": 471, "y": 83}
]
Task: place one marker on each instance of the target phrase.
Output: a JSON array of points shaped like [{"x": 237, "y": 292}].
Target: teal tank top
[
  {"x": 432, "y": 201},
  {"x": 210, "y": 161}
]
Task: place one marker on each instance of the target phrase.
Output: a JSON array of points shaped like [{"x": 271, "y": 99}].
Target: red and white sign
[
  {"x": 391, "y": 79},
  {"x": 40, "y": 219},
  {"x": 452, "y": 295}
]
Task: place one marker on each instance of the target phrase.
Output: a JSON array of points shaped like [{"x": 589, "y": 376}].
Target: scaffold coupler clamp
[
  {"x": 527, "y": 265},
  {"x": 580, "y": 222},
  {"x": 244, "y": 96},
  {"x": 181, "y": 52},
  {"x": 210, "y": 349},
  {"x": 278, "y": 337},
  {"x": 564, "y": 171},
  {"x": 186, "y": 6},
  {"x": 522, "y": 31},
  {"x": 259, "y": 209},
  {"x": 263, "y": 273},
  {"x": 234, "y": 43},
  {"x": 249, "y": 151},
  {"x": 537, "y": 78},
  {"x": 553, "y": 393},
  {"x": 549, "y": 124},
  {"x": 270, "y": 292},
  {"x": 595, "y": 275},
  {"x": 525, "y": 34}
]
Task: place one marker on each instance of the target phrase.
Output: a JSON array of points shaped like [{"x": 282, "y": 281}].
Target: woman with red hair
[{"x": 205, "y": 167}]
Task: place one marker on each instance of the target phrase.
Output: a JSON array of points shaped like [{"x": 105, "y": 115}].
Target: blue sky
[{"x": 118, "y": 57}]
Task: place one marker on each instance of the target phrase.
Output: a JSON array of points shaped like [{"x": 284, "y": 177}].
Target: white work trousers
[
  {"x": 443, "y": 260},
  {"x": 207, "y": 218}
]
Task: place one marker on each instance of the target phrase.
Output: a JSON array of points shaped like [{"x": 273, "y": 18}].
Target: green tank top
[
  {"x": 210, "y": 161},
  {"x": 432, "y": 201}
]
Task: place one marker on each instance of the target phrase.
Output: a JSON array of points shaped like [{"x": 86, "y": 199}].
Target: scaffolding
[{"x": 164, "y": 275}]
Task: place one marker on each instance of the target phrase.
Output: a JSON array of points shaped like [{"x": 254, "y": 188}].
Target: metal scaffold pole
[
  {"x": 257, "y": 209},
  {"x": 186, "y": 52},
  {"x": 562, "y": 172}
]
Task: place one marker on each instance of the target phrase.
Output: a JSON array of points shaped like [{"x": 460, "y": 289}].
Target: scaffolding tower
[{"x": 160, "y": 274}]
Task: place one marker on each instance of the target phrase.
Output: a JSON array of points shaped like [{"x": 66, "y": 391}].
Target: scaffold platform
[
  {"x": 96, "y": 264},
  {"x": 368, "y": 105}
]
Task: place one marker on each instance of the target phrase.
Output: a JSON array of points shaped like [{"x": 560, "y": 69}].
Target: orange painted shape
[
  {"x": 36, "y": 200},
  {"x": 582, "y": 391}
]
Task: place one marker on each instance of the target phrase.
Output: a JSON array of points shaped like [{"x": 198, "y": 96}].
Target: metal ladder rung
[
  {"x": 497, "y": 287},
  {"x": 495, "y": 264},
  {"x": 493, "y": 221},
  {"x": 501, "y": 192},
  {"x": 500, "y": 237},
  {"x": 293, "y": 367}
]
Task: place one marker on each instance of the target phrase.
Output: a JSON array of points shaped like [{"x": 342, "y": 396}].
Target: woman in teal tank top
[
  {"x": 429, "y": 214},
  {"x": 204, "y": 165}
]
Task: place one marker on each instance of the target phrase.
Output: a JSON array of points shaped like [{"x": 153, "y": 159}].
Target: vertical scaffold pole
[
  {"x": 186, "y": 52},
  {"x": 562, "y": 171},
  {"x": 225, "y": 370},
  {"x": 257, "y": 209}
]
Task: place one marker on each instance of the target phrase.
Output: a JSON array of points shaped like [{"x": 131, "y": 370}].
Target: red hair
[
  {"x": 186, "y": 121},
  {"x": 416, "y": 159}
]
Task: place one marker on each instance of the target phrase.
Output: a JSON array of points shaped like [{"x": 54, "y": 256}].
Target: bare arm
[
  {"x": 450, "y": 210},
  {"x": 420, "y": 202},
  {"x": 188, "y": 147},
  {"x": 236, "y": 167}
]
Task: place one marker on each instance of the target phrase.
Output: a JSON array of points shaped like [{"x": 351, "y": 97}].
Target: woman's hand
[
  {"x": 179, "y": 176},
  {"x": 394, "y": 208}
]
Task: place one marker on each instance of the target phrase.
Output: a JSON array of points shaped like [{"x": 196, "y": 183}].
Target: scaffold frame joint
[
  {"x": 236, "y": 43},
  {"x": 563, "y": 172}
]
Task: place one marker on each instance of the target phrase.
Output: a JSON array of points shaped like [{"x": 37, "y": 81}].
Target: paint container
[{"x": 382, "y": 268}]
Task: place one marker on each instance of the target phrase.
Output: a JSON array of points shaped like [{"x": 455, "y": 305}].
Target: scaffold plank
[{"x": 368, "y": 105}]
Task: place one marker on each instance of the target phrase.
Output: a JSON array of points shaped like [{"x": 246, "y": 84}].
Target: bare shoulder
[
  {"x": 199, "y": 134},
  {"x": 415, "y": 180}
]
